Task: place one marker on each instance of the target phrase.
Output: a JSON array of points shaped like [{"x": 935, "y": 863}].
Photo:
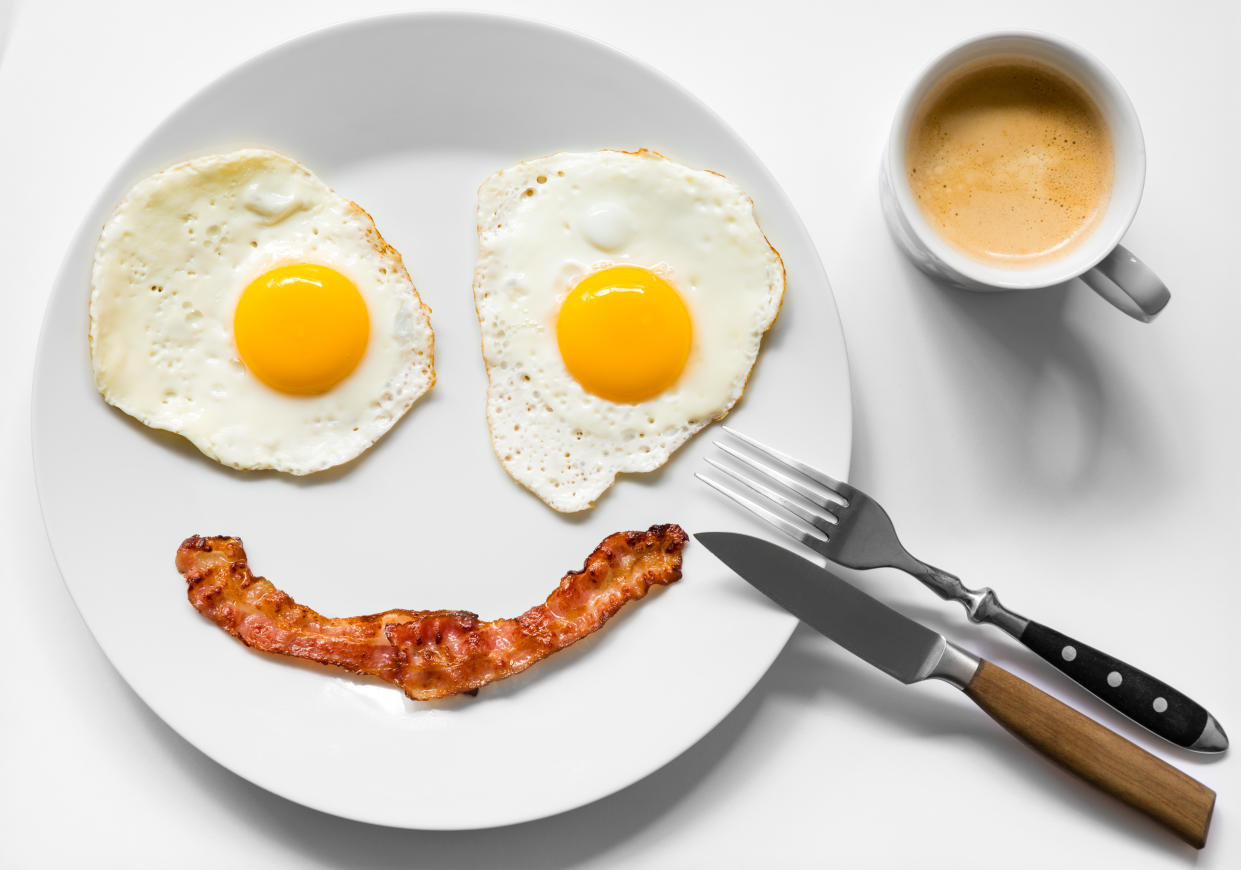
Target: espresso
[{"x": 1010, "y": 162}]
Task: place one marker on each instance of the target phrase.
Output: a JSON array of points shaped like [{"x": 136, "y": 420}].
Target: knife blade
[
  {"x": 911, "y": 652},
  {"x": 874, "y": 632}
]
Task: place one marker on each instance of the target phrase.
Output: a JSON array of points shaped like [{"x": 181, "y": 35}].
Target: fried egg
[
  {"x": 239, "y": 301},
  {"x": 622, "y": 300}
]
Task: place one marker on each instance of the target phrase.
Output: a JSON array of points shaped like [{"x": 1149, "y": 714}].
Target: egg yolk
[
  {"x": 624, "y": 334},
  {"x": 302, "y": 328}
]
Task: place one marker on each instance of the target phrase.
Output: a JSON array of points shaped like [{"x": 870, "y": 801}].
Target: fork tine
[
  {"x": 813, "y": 494},
  {"x": 793, "y": 530},
  {"x": 837, "y": 486},
  {"x": 791, "y": 505}
]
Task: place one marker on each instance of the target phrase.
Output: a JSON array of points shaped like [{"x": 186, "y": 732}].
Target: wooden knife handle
[{"x": 1096, "y": 754}]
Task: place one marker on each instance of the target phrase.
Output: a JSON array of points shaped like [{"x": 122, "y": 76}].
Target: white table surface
[{"x": 1083, "y": 464}]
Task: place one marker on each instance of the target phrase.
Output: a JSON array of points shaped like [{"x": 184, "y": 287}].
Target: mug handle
[{"x": 1129, "y": 284}]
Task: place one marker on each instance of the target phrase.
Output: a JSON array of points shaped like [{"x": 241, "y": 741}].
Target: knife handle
[
  {"x": 1100, "y": 756},
  {"x": 1150, "y": 702}
]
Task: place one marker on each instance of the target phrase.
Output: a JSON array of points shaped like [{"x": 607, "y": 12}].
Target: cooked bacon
[{"x": 428, "y": 653}]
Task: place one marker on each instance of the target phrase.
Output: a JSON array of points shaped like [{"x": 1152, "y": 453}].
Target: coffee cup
[{"x": 987, "y": 226}]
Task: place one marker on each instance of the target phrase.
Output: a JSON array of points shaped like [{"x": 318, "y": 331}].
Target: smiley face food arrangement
[{"x": 238, "y": 301}]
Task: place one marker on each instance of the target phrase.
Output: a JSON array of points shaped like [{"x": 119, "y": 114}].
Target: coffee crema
[{"x": 1011, "y": 162}]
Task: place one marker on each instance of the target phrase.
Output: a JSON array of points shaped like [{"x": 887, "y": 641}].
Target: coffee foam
[{"x": 1011, "y": 162}]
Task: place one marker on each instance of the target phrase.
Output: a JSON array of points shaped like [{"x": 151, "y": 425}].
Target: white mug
[{"x": 1099, "y": 259}]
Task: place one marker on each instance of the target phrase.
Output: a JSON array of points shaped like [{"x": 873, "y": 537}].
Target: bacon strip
[{"x": 428, "y": 653}]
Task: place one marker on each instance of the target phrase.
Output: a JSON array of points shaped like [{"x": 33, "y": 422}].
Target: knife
[{"x": 911, "y": 652}]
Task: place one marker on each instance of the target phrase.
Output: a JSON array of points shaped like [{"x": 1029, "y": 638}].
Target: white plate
[{"x": 406, "y": 116}]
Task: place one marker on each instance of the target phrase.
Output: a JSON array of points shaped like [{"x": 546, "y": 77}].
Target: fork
[{"x": 850, "y": 528}]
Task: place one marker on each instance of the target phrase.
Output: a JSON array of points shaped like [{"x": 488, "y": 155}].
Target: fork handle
[{"x": 1148, "y": 701}]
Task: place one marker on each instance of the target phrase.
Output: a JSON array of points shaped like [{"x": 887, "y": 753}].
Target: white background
[{"x": 1084, "y": 465}]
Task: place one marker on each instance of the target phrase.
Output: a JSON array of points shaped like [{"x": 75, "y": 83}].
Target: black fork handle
[{"x": 1150, "y": 702}]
